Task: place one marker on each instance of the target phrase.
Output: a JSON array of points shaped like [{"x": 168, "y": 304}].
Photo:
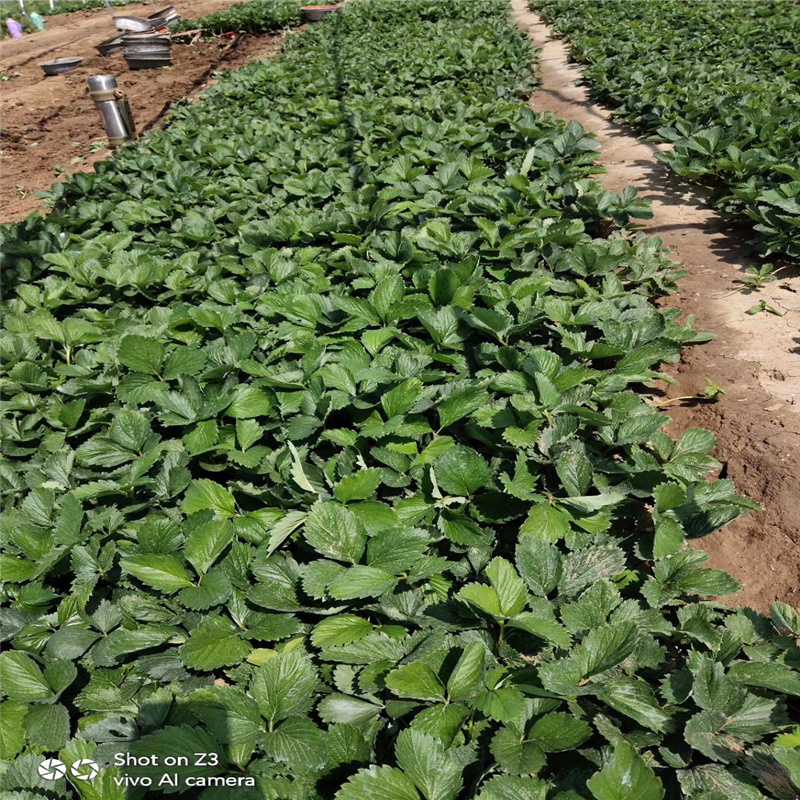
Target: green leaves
[
  {"x": 205, "y": 544},
  {"x": 443, "y": 286},
  {"x": 249, "y": 402},
  {"x": 353, "y": 487},
  {"x": 47, "y": 726},
  {"x": 402, "y": 398},
  {"x": 602, "y": 648},
  {"x": 284, "y": 685},
  {"x": 342, "y": 629},
  {"x": 607, "y": 646},
  {"x": 507, "y": 584},
  {"x": 350, "y": 710},
  {"x": 233, "y": 715},
  {"x": 141, "y": 354},
  {"x": 435, "y": 772},
  {"x": 506, "y": 596},
  {"x": 12, "y": 734},
  {"x": 516, "y": 755},
  {"x": 461, "y": 471},
  {"x": 460, "y": 404},
  {"x": 252, "y": 19},
  {"x": 482, "y": 597},
  {"x": 444, "y": 327},
  {"x": 174, "y": 742},
  {"x": 636, "y": 699},
  {"x": 334, "y": 531},
  {"x": 542, "y": 628},
  {"x": 625, "y": 776},
  {"x": 539, "y": 564},
  {"x": 415, "y": 680},
  {"x": 558, "y": 731},
  {"x": 465, "y": 679},
  {"x": 575, "y": 471},
  {"x": 709, "y": 137},
  {"x": 785, "y": 619},
  {"x": 777, "y": 677},
  {"x": 546, "y": 523},
  {"x": 360, "y": 486},
  {"x": 21, "y": 678},
  {"x": 299, "y": 744},
  {"x": 378, "y": 783},
  {"x": 214, "y": 643},
  {"x": 206, "y": 494},
  {"x": 129, "y": 437},
  {"x": 163, "y": 572},
  {"x": 361, "y": 581}
]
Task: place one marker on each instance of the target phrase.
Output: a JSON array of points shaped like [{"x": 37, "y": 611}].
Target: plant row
[
  {"x": 331, "y": 451},
  {"x": 718, "y": 80},
  {"x": 255, "y": 16},
  {"x": 67, "y": 6}
]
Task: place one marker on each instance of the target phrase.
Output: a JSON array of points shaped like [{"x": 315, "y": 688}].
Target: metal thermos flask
[{"x": 114, "y": 109}]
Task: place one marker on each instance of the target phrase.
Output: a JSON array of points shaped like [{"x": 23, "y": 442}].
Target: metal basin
[
  {"x": 148, "y": 47},
  {"x": 59, "y": 65},
  {"x": 151, "y": 37},
  {"x": 316, "y": 13},
  {"x": 150, "y": 50},
  {"x": 148, "y": 61},
  {"x": 132, "y": 23},
  {"x": 109, "y": 46},
  {"x": 167, "y": 16}
]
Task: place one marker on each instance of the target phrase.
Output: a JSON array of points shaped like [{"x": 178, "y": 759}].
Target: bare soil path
[
  {"x": 756, "y": 359},
  {"x": 50, "y": 127}
]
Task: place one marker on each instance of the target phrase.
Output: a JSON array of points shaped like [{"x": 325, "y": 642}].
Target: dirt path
[
  {"x": 756, "y": 359},
  {"x": 50, "y": 127}
]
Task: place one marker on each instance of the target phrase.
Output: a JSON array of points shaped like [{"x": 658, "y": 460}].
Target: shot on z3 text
[{"x": 195, "y": 760}]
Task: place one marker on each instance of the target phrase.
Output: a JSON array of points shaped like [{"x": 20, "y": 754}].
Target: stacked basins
[
  {"x": 151, "y": 49},
  {"x": 147, "y": 49}
]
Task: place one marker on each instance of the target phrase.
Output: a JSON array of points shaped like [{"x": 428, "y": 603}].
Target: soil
[
  {"x": 50, "y": 127},
  {"x": 754, "y": 358}
]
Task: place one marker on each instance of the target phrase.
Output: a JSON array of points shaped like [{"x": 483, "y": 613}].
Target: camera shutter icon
[
  {"x": 85, "y": 769},
  {"x": 51, "y": 769}
]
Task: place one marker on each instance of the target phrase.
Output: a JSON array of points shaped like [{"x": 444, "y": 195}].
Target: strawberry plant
[
  {"x": 254, "y": 16},
  {"x": 67, "y": 6},
  {"x": 329, "y": 467},
  {"x": 718, "y": 80}
]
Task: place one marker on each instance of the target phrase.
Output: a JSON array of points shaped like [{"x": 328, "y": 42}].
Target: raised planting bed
[
  {"x": 330, "y": 450},
  {"x": 253, "y": 16},
  {"x": 719, "y": 81}
]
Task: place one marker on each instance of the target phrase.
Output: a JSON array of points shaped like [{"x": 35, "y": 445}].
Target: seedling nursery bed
[{"x": 334, "y": 465}]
